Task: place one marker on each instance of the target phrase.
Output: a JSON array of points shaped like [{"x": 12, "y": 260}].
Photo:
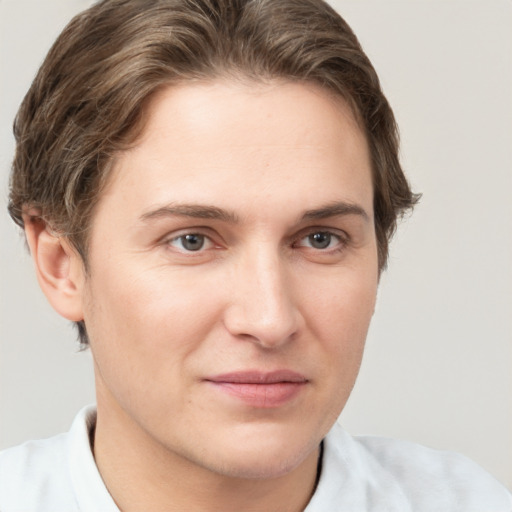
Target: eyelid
[
  {"x": 213, "y": 238},
  {"x": 203, "y": 231},
  {"x": 208, "y": 243},
  {"x": 341, "y": 235}
]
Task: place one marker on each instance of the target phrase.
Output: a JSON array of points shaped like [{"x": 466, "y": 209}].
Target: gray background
[{"x": 437, "y": 368}]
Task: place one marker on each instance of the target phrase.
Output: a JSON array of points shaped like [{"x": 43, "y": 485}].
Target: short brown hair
[{"x": 87, "y": 101}]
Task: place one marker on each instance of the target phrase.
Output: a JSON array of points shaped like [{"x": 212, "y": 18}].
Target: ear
[{"x": 59, "y": 268}]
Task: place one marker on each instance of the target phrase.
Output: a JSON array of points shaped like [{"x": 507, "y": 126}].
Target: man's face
[{"x": 233, "y": 274}]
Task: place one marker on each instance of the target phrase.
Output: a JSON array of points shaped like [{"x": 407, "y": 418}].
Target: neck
[{"x": 141, "y": 474}]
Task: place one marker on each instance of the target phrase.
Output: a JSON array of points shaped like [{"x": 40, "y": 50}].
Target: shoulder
[
  {"x": 421, "y": 478},
  {"x": 56, "y": 474},
  {"x": 35, "y": 474},
  {"x": 448, "y": 478}
]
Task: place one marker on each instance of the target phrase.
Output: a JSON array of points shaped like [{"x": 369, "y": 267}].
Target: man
[{"x": 208, "y": 190}]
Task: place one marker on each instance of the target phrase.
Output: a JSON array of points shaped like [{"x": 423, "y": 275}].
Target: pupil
[
  {"x": 320, "y": 240},
  {"x": 193, "y": 242}
]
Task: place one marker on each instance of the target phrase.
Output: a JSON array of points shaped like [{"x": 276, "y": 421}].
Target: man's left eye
[
  {"x": 191, "y": 242},
  {"x": 320, "y": 240}
]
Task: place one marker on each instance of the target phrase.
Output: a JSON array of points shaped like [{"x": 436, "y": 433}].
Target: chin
[
  {"x": 268, "y": 458},
  {"x": 258, "y": 469}
]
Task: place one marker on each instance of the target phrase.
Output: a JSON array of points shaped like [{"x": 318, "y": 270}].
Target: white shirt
[{"x": 366, "y": 474}]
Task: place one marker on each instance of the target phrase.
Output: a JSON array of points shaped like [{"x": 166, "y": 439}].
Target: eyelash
[
  {"x": 342, "y": 241},
  {"x": 190, "y": 234},
  {"x": 340, "y": 245}
]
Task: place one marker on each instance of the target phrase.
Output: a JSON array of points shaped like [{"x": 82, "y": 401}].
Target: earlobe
[{"x": 59, "y": 268}]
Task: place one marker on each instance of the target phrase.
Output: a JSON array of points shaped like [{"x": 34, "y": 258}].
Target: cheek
[
  {"x": 342, "y": 305},
  {"x": 136, "y": 302},
  {"x": 339, "y": 318},
  {"x": 144, "y": 324},
  {"x": 339, "y": 314}
]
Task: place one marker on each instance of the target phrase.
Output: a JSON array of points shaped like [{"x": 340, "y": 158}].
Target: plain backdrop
[{"x": 437, "y": 368}]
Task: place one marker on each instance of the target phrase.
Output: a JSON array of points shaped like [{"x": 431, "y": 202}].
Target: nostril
[{"x": 266, "y": 330}]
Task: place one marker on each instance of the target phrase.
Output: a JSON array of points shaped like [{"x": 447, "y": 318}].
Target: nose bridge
[{"x": 262, "y": 306}]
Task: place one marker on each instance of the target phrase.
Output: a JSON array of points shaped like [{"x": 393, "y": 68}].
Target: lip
[{"x": 260, "y": 389}]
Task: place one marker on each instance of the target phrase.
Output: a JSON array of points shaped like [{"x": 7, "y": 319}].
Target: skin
[{"x": 252, "y": 172}]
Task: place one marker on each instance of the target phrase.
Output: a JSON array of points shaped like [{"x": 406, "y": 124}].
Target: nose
[{"x": 262, "y": 305}]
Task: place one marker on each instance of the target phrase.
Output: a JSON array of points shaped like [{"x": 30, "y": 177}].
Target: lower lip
[{"x": 261, "y": 395}]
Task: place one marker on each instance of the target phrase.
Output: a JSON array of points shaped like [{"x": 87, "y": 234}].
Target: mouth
[{"x": 260, "y": 389}]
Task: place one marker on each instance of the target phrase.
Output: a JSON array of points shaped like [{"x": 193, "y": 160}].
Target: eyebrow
[
  {"x": 335, "y": 209},
  {"x": 199, "y": 211}
]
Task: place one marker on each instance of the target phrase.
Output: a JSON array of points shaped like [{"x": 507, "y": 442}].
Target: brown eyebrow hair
[
  {"x": 334, "y": 209},
  {"x": 200, "y": 211},
  {"x": 197, "y": 211}
]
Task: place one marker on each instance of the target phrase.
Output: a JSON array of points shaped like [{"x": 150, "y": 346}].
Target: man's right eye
[{"x": 191, "y": 242}]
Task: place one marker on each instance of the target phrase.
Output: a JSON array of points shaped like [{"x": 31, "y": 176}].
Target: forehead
[
  {"x": 235, "y": 107},
  {"x": 243, "y": 143}
]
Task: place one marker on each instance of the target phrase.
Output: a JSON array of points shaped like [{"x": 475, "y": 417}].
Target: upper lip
[{"x": 258, "y": 377}]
